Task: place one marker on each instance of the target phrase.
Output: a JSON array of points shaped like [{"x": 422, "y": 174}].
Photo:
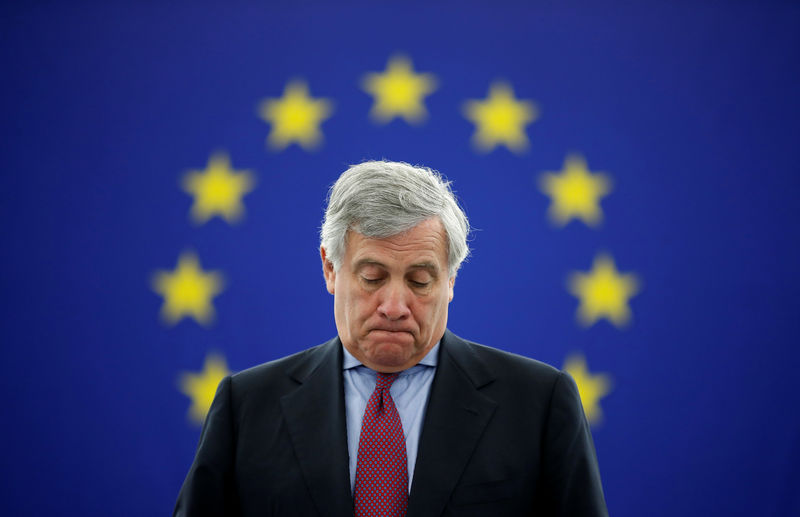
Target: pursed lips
[{"x": 392, "y": 330}]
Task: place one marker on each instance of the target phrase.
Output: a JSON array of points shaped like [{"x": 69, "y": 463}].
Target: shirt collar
[{"x": 430, "y": 359}]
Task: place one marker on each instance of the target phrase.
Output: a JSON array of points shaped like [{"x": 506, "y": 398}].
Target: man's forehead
[{"x": 423, "y": 245}]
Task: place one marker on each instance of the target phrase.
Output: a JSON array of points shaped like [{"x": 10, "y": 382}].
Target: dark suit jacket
[{"x": 503, "y": 436}]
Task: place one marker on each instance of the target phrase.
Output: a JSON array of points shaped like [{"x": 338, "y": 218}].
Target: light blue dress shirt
[{"x": 410, "y": 394}]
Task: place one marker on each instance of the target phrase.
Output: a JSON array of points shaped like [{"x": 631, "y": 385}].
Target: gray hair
[{"x": 379, "y": 199}]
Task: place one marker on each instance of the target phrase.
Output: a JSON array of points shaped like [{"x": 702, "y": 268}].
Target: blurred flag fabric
[{"x": 631, "y": 170}]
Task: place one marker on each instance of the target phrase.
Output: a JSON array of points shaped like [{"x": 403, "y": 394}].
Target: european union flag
[{"x": 631, "y": 171}]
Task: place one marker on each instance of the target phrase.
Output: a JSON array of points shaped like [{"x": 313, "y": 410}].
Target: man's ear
[
  {"x": 452, "y": 283},
  {"x": 327, "y": 270}
]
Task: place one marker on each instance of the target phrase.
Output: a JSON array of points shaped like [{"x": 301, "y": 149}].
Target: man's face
[{"x": 391, "y": 295}]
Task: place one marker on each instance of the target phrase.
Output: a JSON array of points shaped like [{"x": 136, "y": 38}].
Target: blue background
[{"x": 691, "y": 107}]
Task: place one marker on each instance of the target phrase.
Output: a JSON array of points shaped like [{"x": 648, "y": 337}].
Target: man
[{"x": 397, "y": 415}]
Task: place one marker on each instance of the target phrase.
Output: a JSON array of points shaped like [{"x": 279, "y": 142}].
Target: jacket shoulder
[
  {"x": 280, "y": 374},
  {"x": 484, "y": 362},
  {"x": 508, "y": 359}
]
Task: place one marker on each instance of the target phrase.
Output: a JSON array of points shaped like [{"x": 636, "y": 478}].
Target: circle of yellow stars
[
  {"x": 398, "y": 91},
  {"x": 603, "y": 292},
  {"x": 500, "y": 119}
]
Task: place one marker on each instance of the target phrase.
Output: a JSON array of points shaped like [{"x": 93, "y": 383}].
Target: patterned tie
[{"x": 381, "y": 488}]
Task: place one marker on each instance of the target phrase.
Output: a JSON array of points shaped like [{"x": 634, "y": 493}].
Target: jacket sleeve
[
  {"x": 209, "y": 488},
  {"x": 571, "y": 475}
]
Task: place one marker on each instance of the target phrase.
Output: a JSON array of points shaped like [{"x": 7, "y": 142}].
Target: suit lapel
[
  {"x": 315, "y": 419},
  {"x": 455, "y": 418}
]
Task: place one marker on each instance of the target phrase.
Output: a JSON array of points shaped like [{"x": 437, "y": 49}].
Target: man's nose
[{"x": 394, "y": 302}]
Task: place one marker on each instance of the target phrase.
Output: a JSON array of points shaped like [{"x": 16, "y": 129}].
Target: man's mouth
[{"x": 390, "y": 332}]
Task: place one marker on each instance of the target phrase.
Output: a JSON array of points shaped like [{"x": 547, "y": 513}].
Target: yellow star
[
  {"x": 187, "y": 290},
  {"x": 500, "y": 119},
  {"x": 218, "y": 190},
  {"x": 295, "y": 117},
  {"x": 603, "y": 293},
  {"x": 399, "y": 91},
  {"x": 590, "y": 387},
  {"x": 575, "y": 192},
  {"x": 201, "y": 387}
]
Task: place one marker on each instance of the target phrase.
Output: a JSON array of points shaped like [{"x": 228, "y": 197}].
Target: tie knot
[{"x": 385, "y": 380}]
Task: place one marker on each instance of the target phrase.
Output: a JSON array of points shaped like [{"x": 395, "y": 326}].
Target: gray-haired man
[{"x": 397, "y": 415}]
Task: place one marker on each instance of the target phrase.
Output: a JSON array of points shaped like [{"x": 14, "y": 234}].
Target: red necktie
[{"x": 381, "y": 487}]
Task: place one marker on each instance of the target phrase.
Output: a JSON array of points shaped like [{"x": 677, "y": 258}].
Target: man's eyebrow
[
  {"x": 367, "y": 262},
  {"x": 432, "y": 268}
]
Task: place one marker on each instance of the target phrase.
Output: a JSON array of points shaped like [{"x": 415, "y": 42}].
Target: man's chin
[{"x": 390, "y": 355}]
